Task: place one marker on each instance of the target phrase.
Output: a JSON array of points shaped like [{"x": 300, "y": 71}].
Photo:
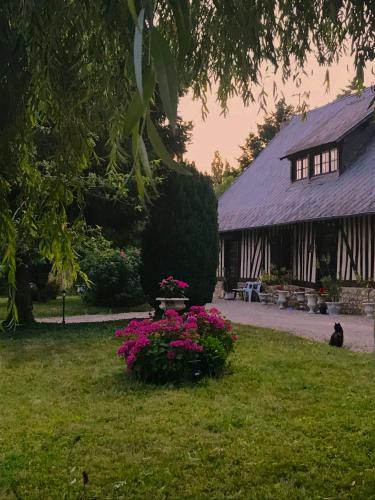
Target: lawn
[
  {"x": 73, "y": 306},
  {"x": 294, "y": 419}
]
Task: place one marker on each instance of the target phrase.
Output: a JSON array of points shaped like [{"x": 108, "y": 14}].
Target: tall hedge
[{"x": 181, "y": 238}]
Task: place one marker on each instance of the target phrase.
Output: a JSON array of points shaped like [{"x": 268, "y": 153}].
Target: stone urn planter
[
  {"x": 282, "y": 298},
  {"x": 369, "y": 309},
  {"x": 301, "y": 300},
  {"x": 176, "y": 303},
  {"x": 311, "y": 302},
  {"x": 334, "y": 308},
  {"x": 264, "y": 298}
]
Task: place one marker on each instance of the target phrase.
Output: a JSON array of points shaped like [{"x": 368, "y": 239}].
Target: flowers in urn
[
  {"x": 170, "y": 287},
  {"x": 172, "y": 294}
]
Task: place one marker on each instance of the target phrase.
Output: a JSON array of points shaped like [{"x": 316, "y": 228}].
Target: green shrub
[
  {"x": 177, "y": 347},
  {"x": 181, "y": 237},
  {"x": 114, "y": 276}
]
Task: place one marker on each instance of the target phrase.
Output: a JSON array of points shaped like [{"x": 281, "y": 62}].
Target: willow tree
[{"x": 91, "y": 68}]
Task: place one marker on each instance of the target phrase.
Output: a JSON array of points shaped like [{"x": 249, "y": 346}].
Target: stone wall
[{"x": 353, "y": 297}]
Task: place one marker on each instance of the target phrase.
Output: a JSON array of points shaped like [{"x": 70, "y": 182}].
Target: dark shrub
[
  {"x": 181, "y": 237},
  {"x": 115, "y": 278}
]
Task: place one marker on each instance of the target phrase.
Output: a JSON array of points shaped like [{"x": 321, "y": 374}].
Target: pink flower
[{"x": 187, "y": 344}]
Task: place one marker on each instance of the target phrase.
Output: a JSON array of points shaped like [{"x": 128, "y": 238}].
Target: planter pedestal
[
  {"x": 301, "y": 300},
  {"x": 311, "y": 302},
  {"x": 282, "y": 298},
  {"x": 176, "y": 303}
]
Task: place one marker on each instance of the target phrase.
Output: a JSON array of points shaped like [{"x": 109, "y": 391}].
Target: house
[{"x": 307, "y": 202}]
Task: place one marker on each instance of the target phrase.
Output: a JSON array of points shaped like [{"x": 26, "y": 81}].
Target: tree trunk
[{"x": 23, "y": 297}]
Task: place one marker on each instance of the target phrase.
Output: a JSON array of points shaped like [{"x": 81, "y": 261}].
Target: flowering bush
[
  {"x": 177, "y": 347},
  {"x": 170, "y": 287}
]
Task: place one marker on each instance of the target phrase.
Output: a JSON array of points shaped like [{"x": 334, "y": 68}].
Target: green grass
[
  {"x": 294, "y": 419},
  {"x": 73, "y": 306}
]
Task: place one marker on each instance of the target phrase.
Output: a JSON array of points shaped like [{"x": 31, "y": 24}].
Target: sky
[{"x": 225, "y": 134}]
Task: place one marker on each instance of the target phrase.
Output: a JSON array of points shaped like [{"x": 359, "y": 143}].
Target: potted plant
[
  {"x": 172, "y": 294},
  {"x": 300, "y": 294},
  {"x": 230, "y": 283},
  {"x": 322, "y": 298},
  {"x": 333, "y": 287},
  {"x": 266, "y": 279},
  {"x": 312, "y": 300},
  {"x": 369, "y": 285},
  {"x": 284, "y": 278}
]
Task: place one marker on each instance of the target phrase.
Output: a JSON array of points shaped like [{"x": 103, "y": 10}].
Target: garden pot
[
  {"x": 311, "y": 302},
  {"x": 301, "y": 300},
  {"x": 176, "y": 303},
  {"x": 334, "y": 307},
  {"x": 282, "y": 298},
  {"x": 369, "y": 309},
  {"x": 264, "y": 298},
  {"x": 228, "y": 295}
]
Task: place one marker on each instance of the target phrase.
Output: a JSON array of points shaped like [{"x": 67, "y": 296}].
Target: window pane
[
  {"x": 305, "y": 168},
  {"x": 316, "y": 164},
  {"x": 325, "y": 162},
  {"x": 334, "y": 162}
]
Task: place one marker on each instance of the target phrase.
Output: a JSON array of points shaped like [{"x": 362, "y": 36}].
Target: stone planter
[
  {"x": 311, "y": 302},
  {"x": 264, "y": 298},
  {"x": 369, "y": 309},
  {"x": 334, "y": 308},
  {"x": 228, "y": 296},
  {"x": 301, "y": 300},
  {"x": 176, "y": 303},
  {"x": 282, "y": 298}
]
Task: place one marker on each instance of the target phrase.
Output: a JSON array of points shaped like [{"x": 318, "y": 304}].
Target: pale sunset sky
[{"x": 227, "y": 133}]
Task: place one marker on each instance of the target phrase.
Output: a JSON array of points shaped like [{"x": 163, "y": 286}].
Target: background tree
[
  {"x": 181, "y": 237},
  {"x": 266, "y": 131},
  {"x": 222, "y": 174}
]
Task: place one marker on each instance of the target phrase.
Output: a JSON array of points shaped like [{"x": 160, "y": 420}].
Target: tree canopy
[{"x": 92, "y": 69}]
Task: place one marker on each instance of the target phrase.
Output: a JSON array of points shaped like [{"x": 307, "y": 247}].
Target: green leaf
[
  {"x": 145, "y": 162},
  {"x": 181, "y": 13},
  {"x": 133, "y": 10},
  {"x": 166, "y": 74},
  {"x": 160, "y": 149},
  {"x": 138, "y": 41},
  {"x": 133, "y": 114},
  {"x": 137, "y": 107}
]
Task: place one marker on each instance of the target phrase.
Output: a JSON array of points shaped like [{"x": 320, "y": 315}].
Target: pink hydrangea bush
[
  {"x": 170, "y": 287},
  {"x": 177, "y": 347}
]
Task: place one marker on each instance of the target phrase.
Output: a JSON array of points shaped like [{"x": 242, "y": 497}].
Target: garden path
[
  {"x": 358, "y": 330},
  {"x": 95, "y": 318}
]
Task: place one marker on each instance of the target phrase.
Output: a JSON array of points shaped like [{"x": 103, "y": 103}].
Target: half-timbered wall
[
  {"x": 220, "y": 269},
  {"x": 304, "y": 253},
  {"x": 255, "y": 253},
  {"x": 356, "y": 248}
]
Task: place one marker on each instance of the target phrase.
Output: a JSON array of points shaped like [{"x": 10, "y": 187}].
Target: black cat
[{"x": 337, "y": 337}]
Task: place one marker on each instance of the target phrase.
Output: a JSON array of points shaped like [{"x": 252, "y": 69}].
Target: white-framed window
[
  {"x": 326, "y": 162},
  {"x": 302, "y": 168}
]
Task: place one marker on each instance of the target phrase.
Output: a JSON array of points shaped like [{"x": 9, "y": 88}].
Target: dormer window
[
  {"x": 316, "y": 162},
  {"x": 302, "y": 168},
  {"x": 326, "y": 162}
]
